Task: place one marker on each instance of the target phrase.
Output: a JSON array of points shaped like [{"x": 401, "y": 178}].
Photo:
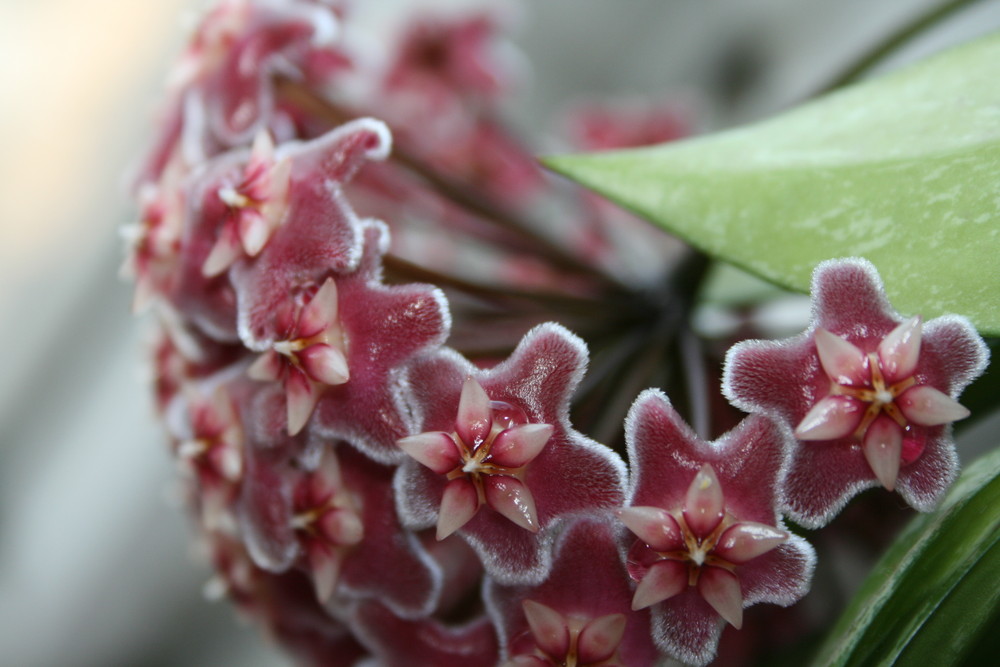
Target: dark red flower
[{"x": 870, "y": 394}]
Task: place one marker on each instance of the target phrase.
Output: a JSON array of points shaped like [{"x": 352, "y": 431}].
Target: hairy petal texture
[
  {"x": 327, "y": 510},
  {"x": 583, "y": 608},
  {"x": 868, "y": 391},
  {"x": 426, "y": 642},
  {"x": 569, "y": 474},
  {"x": 747, "y": 554},
  {"x": 234, "y": 57},
  {"x": 284, "y": 604},
  {"x": 384, "y": 326},
  {"x": 321, "y": 237}
]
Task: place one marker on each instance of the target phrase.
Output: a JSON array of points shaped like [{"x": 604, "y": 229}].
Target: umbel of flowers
[{"x": 371, "y": 495}]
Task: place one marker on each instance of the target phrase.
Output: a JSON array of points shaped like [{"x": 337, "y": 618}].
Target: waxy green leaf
[
  {"x": 934, "y": 596},
  {"x": 903, "y": 170}
]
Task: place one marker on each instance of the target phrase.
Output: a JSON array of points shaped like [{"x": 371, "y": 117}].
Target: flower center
[
  {"x": 880, "y": 396},
  {"x": 476, "y": 459}
]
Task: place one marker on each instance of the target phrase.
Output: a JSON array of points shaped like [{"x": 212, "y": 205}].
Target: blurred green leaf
[
  {"x": 933, "y": 598},
  {"x": 903, "y": 170}
]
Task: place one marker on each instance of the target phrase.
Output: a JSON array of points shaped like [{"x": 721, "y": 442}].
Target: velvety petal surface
[
  {"x": 784, "y": 378},
  {"x": 588, "y": 581},
  {"x": 571, "y": 473}
]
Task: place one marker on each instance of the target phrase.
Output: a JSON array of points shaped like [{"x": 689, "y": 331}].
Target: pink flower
[
  {"x": 438, "y": 59},
  {"x": 283, "y": 603},
  {"x": 257, "y": 204},
  {"x": 236, "y": 52},
  {"x": 484, "y": 460},
  {"x": 335, "y": 520},
  {"x": 426, "y": 641},
  {"x": 494, "y": 455},
  {"x": 310, "y": 356},
  {"x": 869, "y": 393},
  {"x": 710, "y": 541},
  {"x": 581, "y": 614}
]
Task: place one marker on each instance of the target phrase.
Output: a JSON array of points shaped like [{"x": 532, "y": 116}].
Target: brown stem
[
  {"x": 399, "y": 268},
  {"x": 451, "y": 189}
]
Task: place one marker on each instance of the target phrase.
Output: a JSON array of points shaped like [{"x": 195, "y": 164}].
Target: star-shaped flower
[
  {"x": 709, "y": 538},
  {"x": 257, "y": 204},
  {"x": 209, "y": 443},
  {"x": 494, "y": 456},
  {"x": 310, "y": 356},
  {"x": 870, "y": 394},
  {"x": 283, "y": 604},
  {"x": 423, "y": 641},
  {"x": 233, "y": 57},
  {"x": 581, "y": 614},
  {"x": 484, "y": 459},
  {"x": 328, "y": 510}
]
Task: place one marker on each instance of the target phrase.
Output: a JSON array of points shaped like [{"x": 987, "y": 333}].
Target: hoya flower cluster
[{"x": 372, "y": 495}]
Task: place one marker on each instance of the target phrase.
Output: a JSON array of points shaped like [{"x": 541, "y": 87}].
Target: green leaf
[
  {"x": 934, "y": 597},
  {"x": 903, "y": 170}
]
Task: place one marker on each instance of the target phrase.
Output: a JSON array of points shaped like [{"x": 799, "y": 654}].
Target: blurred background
[{"x": 95, "y": 563}]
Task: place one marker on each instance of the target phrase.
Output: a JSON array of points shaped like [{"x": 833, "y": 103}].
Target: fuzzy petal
[
  {"x": 721, "y": 589},
  {"x": 600, "y": 638},
  {"x": 843, "y": 362},
  {"x": 548, "y": 627},
  {"x": 899, "y": 351},
  {"x": 518, "y": 446},
  {"x": 458, "y": 504},
  {"x": 926, "y": 406},
  {"x": 664, "y": 580},
  {"x": 883, "y": 445},
  {"x": 475, "y": 417},
  {"x": 832, "y": 418},
  {"x": 511, "y": 498},
  {"x": 746, "y": 540},
  {"x": 435, "y": 450},
  {"x": 652, "y": 525},
  {"x": 704, "y": 506}
]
